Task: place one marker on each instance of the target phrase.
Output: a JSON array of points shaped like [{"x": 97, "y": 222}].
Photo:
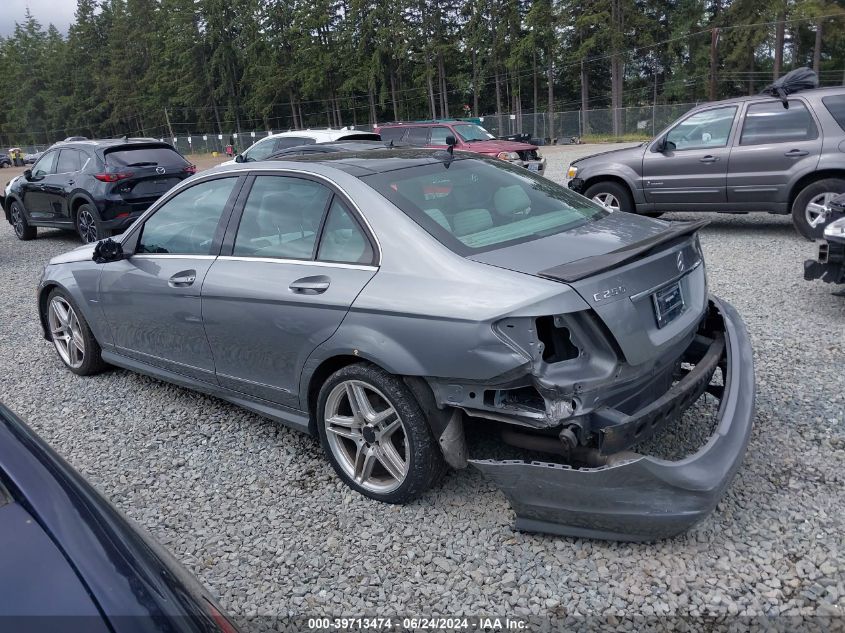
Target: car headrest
[
  {"x": 438, "y": 216},
  {"x": 511, "y": 201}
]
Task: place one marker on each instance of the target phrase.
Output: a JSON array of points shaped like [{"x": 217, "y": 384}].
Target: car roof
[
  {"x": 111, "y": 143},
  {"x": 816, "y": 92},
  {"x": 327, "y": 148},
  {"x": 320, "y": 135},
  {"x": 356, "y": 163}
]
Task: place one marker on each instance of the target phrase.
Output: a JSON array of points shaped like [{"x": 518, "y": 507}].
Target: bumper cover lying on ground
[{"x": 645, "y": 498}]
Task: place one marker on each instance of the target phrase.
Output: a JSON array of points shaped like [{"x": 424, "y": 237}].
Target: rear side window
[
  {"x": 417, "y": 136},
  {"x": 343, "y": 240},
  {"x": 391, "y": 133},
  {"x": 770, "y": 122},
  {"x": 186, "y": 224},
  {"x": 145, "y": 157},
  {"x": 70, "y": 160},
  {"x": 281, "y": 218},
  {"x": 836, "y": 106},
  {"x": 293, "y": 141}
]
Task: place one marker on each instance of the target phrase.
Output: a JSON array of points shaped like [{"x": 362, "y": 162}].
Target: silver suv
[{"x": 734, "y": 156}]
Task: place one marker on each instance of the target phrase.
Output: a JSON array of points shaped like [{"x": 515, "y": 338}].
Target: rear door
[
  {"x": 292, "y": 264},
  {"x": 148, "y": 171},
  {"x": 57, "y": 187},
  {"x": 775, "y": 146},
  {"x": 692, "y": 173}
]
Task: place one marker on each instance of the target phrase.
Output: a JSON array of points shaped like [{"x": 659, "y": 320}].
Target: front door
[
  {"x": 151, "y": 300},
  {"x": 691, "y": 172},
  {"x": 35, "y": 197},
  {"x": 775, "y": 146},
  {"x": 57, "y": 186},
  {"x": 299, "y": 258}
]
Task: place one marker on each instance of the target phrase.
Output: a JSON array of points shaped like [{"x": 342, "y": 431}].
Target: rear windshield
[
  {"x": 145, "y": 156},
  {"x": 836, "y": 106},
  {"x": 474, "y": 205}
]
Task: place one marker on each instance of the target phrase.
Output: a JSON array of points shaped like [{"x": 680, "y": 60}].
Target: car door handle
[
  {"x": 71, "y": 181},
  {"x": 795, "y": 153},
  {"x": 182, "y": 279},
  {"x": 311, "y": 285},
  {"x": 708, "y": 159}
]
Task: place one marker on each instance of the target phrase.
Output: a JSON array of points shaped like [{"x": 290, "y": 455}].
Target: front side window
[
  {"x": 186, "y": 224},
  {"x": 260, "y": 151},
  {"x": 703, "y": 130},
  {"x": 439, "y": 134},
  {"x": 472, "y": 205},
  {"x": 281, "y": 218},
  {"x": 46, "y": 165},
  {"x": 770, "y": 122},
  {"x": 342, "y": 239}
]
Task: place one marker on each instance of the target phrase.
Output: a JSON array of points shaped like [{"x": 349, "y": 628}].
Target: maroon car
[{"x": 470, "y": 138}]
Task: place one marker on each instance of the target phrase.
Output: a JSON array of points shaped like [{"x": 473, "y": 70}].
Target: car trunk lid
[{"x": 644, "y": 279}]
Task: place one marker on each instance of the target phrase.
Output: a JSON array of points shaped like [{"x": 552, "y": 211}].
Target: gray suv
[{"x": 739, "y": 155}]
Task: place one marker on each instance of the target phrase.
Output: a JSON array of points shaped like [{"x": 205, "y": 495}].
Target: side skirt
[{"x": 289, "y": 417}]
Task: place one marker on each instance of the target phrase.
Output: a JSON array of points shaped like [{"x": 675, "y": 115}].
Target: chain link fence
[
  {"x": 562, "y": 126},
  {"x": 559, "y": 127}
]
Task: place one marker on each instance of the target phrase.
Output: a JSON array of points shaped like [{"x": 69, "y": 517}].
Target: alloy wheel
[
  {"x": 66, "y": 332},
  {"x": 607, "y": 200},
  {"x": 366, "y": 436},
  {"x": 87, "y": 226},
  {"x": 818, "y": 207},
  {"x": 17, "y": 220}
]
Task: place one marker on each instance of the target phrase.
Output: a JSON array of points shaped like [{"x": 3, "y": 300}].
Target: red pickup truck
[{"x": 470, "y": 138}]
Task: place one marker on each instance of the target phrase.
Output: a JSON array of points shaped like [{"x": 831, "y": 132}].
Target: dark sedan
[{"x": 72, "y": 562}]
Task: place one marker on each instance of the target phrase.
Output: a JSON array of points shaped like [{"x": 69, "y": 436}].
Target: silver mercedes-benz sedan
[{"x": 378, "y": 300}]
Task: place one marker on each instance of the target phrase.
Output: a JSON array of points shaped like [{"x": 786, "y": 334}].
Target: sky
[{"x": 59, "y": 12}]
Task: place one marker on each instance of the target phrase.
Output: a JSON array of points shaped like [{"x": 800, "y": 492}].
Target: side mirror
[
  {"x": 451, "y": 140},
  {"x": 27, "y": 173},
  {"x": 240, "y": 158},
  {"x": 664, "y": 145},
  {"x": 108, "y": 250}
]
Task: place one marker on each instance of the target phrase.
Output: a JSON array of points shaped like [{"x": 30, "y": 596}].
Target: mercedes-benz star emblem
[
  {"x": 680, "y": 262},
  {"x": 160, "y": 170}
]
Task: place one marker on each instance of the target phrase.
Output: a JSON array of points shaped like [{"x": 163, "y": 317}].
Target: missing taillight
[{"x": 556, "y": 340}]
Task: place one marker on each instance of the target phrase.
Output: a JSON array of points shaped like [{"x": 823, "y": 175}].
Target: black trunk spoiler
[{"x": 587, "y": 266}]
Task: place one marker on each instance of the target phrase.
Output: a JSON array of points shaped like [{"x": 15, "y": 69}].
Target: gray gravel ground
[{"x": 256, "y": 512}]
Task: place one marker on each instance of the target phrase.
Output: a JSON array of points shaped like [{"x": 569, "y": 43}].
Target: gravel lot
[{"x": 256, "y": 512}]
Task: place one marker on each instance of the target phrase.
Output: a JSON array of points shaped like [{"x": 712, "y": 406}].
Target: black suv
[{"x": 96, "y": 188}]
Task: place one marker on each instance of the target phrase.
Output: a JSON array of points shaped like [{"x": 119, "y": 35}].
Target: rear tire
[
  {"x": 23, "y": 231},
  {"x": 403, "y": 462},
  {"x": 88, "y": 225},
  {"x": 811, "y": 201},
  {"x": 611, "y": 195}
]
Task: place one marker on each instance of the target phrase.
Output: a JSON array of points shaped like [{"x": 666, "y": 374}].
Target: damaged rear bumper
[{"x": 645, "y": 498}]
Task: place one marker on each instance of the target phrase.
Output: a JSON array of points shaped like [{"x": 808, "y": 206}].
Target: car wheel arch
[
  {"x": 77, "y": 201},
  {"x": 315, "y": 380},
  {"x": 593, "y": 180},
  {"x": 807, "y": 179},
  {"x": 43, "y": 295}
]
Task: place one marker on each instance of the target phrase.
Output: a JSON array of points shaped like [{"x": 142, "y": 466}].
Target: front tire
[
  {"x": 75, "y": 344},
  {"x": 611, "y": 195},
  {"x": 813, "y": 201},
  {"x": 376, "y": 436},
  {"x": 23, "y": 231}
]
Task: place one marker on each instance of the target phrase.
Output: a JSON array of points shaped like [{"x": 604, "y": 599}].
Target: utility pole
[
  {"x": 169, "y": 127},
  {"x": 714, "y": 61}
]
